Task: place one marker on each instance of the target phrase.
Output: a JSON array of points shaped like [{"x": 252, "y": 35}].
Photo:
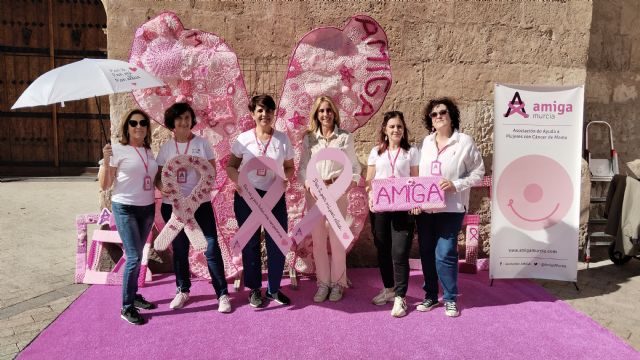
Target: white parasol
[{"x": 84, "y": 79}]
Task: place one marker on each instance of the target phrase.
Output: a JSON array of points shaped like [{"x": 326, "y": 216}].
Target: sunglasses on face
[
  {"x": 436, "y": 113},
  {"x": 134, "y": 123}
]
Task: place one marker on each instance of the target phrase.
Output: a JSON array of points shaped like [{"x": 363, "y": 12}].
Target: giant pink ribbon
[
  {"x": 326, "y": 203},
  {"x": 261, "y": 207}
]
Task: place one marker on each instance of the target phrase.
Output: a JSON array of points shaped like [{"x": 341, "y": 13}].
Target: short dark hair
[
  {"x": 454, "y": 113},
  {"x": 176, "y": 110},
  {"x": 383, "y": 142},
  {"x": 124, "y": 128},
  {"x": 265, "y": 101}
]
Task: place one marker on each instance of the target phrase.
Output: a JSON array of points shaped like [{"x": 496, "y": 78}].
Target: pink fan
[{"x": 351, "y": 65}]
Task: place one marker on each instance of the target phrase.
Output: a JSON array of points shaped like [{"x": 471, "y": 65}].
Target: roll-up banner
[{"x": 535, "y": 207}]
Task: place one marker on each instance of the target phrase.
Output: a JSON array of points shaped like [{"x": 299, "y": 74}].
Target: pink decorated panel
[{"x": 351, "y": 64}]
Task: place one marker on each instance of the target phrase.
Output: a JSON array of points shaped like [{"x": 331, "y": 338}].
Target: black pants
[{"x": 392, "y": 235}]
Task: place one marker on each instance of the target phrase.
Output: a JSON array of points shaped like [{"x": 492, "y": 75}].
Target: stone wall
[
  {"x": 612, "y": 85},
  {"x": 613, "y": 78},
  {"x": 437, "y": 48}
]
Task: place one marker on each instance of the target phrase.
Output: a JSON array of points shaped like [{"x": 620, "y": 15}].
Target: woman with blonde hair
[
  {"x": 130, "y": 168},
  {"x": 325, "y": 132}
]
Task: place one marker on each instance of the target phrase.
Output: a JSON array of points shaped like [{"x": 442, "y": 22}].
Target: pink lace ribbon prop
[
  {"x": 184, "y": 207},
  {"x": 326, "y": 205},
  {"x": 261, "y": 207}
]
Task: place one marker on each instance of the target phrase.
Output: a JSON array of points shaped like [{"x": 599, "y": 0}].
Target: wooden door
[{"x": 36, "y": 36}]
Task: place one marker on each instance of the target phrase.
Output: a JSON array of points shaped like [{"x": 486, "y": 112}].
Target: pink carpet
[{"x": 512, "y": 319}]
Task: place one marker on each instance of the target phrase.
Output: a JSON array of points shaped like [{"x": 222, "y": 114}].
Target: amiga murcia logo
[
  {"x": 516, "y": 106},
  {"x": 543, "y": 110},
  {"x": 550, "y": 110}
]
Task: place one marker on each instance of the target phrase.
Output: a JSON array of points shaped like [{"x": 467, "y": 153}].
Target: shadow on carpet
[{"x": 511, "y": 319}]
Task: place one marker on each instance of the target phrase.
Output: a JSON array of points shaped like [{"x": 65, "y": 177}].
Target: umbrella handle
[{"x": 104, "y": 132}]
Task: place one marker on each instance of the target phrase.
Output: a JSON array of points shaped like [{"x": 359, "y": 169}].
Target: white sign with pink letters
[{"x": 535, "y": 208}]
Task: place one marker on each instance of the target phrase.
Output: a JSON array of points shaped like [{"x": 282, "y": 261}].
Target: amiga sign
[{"x": 406, "y": 193}]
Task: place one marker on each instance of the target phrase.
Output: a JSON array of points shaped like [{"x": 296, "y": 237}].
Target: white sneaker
[
  {"x": 399, "y": 307},
  {"x": 386, "y": 295},
  {"x": 224, "y": 304},
  {"x": 336, "y": 293},
  {"x": 179, "y": 301},
  {"x": 451, "y": 309},
  {"x": 321, "y": 294}
]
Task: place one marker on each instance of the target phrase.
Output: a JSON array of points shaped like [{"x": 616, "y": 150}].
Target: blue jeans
[
  {"x": 134, "y": 224},
  {"x": 251, "y": 260},
  {"x": 438, "y": 240},
  {"x": 180, "y": 245}
]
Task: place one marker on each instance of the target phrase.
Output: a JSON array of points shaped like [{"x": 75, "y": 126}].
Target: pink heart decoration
[
  {"x": 351, "y": 65},
  {"x": 199, "y": 68},
  {"x": 133, "y": 69}
]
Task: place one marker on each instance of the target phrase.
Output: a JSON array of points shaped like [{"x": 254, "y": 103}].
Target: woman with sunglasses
[
  {"x": 130, "y": 168},
  {"x": 392, "y": 230},
  {"x": 453, "y": 156},
  {"x": 325, "y": 132},
  {"x": 180, "y": 118},
  {"x": 263, "y": 140}
]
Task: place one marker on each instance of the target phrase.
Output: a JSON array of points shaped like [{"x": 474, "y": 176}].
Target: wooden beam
[{"x": 54, "y": 114}]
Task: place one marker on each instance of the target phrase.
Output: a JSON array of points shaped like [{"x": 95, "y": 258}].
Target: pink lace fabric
[{"x": 350, "y": 64}]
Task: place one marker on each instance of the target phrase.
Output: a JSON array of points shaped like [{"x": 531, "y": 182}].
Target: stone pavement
[
  {"x": 37, "y": 263},
  {"x": 609, "y": 294}
]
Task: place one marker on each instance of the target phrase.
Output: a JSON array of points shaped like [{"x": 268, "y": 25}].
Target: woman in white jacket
[{"x": 454, "y": 156}]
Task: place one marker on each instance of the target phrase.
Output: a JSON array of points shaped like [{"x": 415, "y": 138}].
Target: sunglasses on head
[
  {"x": 441, "y": 113},
  {"x": 134, "y": 123}
]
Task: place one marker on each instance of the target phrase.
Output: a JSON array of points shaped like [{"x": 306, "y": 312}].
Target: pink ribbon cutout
[
  {"x": 473, "y": 232},
  {"x": 184, "y": 207},
  {"x": 472, "y": 239},
  {"x": 326, "y": 203},
  {"x": 261, "y": 207}
]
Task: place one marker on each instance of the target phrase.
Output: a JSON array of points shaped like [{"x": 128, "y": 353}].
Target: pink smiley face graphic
[{"x": 534, "y": 192}]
